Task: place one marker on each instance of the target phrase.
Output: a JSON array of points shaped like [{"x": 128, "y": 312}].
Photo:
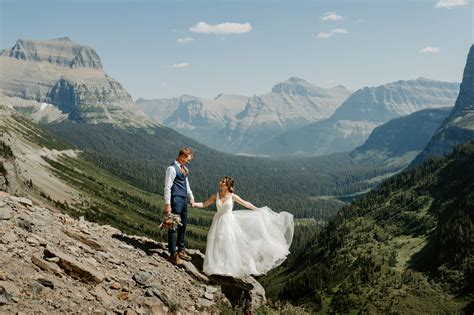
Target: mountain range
[
  {"x": 235, "y": 124},
  {"x": 352, "y": 123}
]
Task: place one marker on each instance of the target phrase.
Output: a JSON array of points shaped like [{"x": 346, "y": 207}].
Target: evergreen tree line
[
  {"x": 141, "y": 157},
  {"x": 353, "y": 263}
]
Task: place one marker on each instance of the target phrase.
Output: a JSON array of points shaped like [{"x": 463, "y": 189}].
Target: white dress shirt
[{"x": 169, "y": 179}]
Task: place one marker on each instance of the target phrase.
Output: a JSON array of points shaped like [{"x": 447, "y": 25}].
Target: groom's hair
[{"x": 186, "y": 151}]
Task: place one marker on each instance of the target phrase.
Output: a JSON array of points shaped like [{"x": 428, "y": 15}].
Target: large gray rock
[
  {"x": 5, "y": 213},
  {"x": 74, "y": 267},
  {"x": 245, "y": 292}
]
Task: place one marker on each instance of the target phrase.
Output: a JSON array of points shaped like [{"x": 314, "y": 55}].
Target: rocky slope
[
  {"x": 52, "y": 80},
  {"x": 51, "y": 263},
  {"x": 459, "y": 126},
  {"x": 237, "y": 124},
  {"x": 352, "y": 123}
]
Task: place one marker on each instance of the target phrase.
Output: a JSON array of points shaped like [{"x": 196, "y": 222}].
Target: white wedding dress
[{"x": 246, "y": 242}]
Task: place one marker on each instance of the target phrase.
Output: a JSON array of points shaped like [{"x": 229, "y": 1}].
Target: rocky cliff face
[
  {"x": 382, "y": 103},
  {"x": 61, "y": 51},
  {"x": 352, "y": 123},
  {"x": 67, "y": 76},
  {"x": 459, "y": 126}
]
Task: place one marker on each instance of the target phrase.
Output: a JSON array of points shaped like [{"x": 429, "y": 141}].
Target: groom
[{"x": 177, "y": 190}]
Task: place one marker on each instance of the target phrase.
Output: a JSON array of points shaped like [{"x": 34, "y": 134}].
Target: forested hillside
[
  {"x": 407, "y": 247},
  {"x": 140, "y": 157}
]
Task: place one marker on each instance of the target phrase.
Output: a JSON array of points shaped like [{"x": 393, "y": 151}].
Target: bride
[{"x": 244, "y": 242}]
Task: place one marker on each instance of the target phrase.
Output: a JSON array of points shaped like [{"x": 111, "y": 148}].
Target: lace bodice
[{"x": 226, "y": 206}]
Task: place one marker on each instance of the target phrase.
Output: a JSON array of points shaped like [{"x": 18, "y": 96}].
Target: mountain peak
[
  {"x": 297, "y": 80},
  {"x": 296, "y": 86},
  {"x": 60, "y": 51},
  {"x": 466, "y": 94}
]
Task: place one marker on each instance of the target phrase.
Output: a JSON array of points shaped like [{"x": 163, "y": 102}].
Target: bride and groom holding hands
[{"x": 239, "y": 243}]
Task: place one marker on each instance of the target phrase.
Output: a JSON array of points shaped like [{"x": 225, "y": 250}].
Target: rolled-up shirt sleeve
[
  {"x": 169, "y": 178},
  {"x": 189, "y": 191}
]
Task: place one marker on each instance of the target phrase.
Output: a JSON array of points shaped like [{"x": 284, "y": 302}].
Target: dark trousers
[{"x": 178, "y": 206}]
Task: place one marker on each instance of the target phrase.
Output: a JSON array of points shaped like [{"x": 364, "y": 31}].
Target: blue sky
[{"x": 157, "y": 49}]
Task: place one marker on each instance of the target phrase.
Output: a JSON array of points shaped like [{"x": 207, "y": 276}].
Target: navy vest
[{"x": 179, "y": 184}]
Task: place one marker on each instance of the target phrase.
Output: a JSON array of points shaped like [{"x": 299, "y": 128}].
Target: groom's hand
[{"x": 167, "y": 209}]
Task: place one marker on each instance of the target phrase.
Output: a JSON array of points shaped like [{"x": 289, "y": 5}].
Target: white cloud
[
  {"x": 450, "y": 3},
  {"x": 184, "y": 40},
  {"x": 182, "y": 65},
  {"x": 222, "y": 28},
  {"x": 429, "y": 50},
  {"x": 339, "y": 30},
  {"x": 332, "y": 32},
  {"x": 331, "y": 16},
  {"x": 324, "y": 35}
]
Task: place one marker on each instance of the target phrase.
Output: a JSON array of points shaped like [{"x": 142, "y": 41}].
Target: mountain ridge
[
  {"x": 353, "y": 121},
  {"x": 70, "y": 78}
]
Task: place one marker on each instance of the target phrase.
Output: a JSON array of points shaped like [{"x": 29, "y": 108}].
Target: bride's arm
[
  {"x": 206, "y": 203},
  {"x": 244, "y": 203}
]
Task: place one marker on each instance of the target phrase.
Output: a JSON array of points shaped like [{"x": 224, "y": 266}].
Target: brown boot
[
  {"x": 182, "y": 254},
  {"x": 174, "y": 259}
]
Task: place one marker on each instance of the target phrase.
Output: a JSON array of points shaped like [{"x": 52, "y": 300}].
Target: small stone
[
  {"x": 46, "y": 265},
  {"x": 26, "y": 225},
  {"x": 116, "y": 285},
  {"x": 142, "y": 277},
  {"x": 162, "y": 296},
  {"x": 9, "y": 237},
  {"x": 149, "y": 292},
  {"x": 21, "y": 200},
  {"x": 126, "y": 246},
  {"x": 36, "y": 288},
  {"x": 4, "y": 296},
  {"x": 45, "y": 282},
  {"x": 3, "y": 276},
  {"x": 102, "y": 295},
  {"x": 205, "y": 303},
  {"x": 5, "y": 213},
  {"x": 41, "y": 241},
  {"x": 53, "y": 259},
  {"x": 209, "y": 296},
  {"x": 210, "y": 289},
  {"x": 32, "y": 241},
  {"x": 123, "y": 295}
]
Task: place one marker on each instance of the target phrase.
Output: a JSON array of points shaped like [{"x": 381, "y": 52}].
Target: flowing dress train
[{"x": 246, "y": 242}]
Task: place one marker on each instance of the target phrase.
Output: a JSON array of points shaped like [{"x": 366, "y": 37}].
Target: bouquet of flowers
[{"x": 170, "y": 221}]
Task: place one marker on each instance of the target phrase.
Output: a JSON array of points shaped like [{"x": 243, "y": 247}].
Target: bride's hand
[{"x": 197, "y": 205}]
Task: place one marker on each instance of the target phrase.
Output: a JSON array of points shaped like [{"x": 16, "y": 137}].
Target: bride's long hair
[{"x": 229, "y": 181}]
